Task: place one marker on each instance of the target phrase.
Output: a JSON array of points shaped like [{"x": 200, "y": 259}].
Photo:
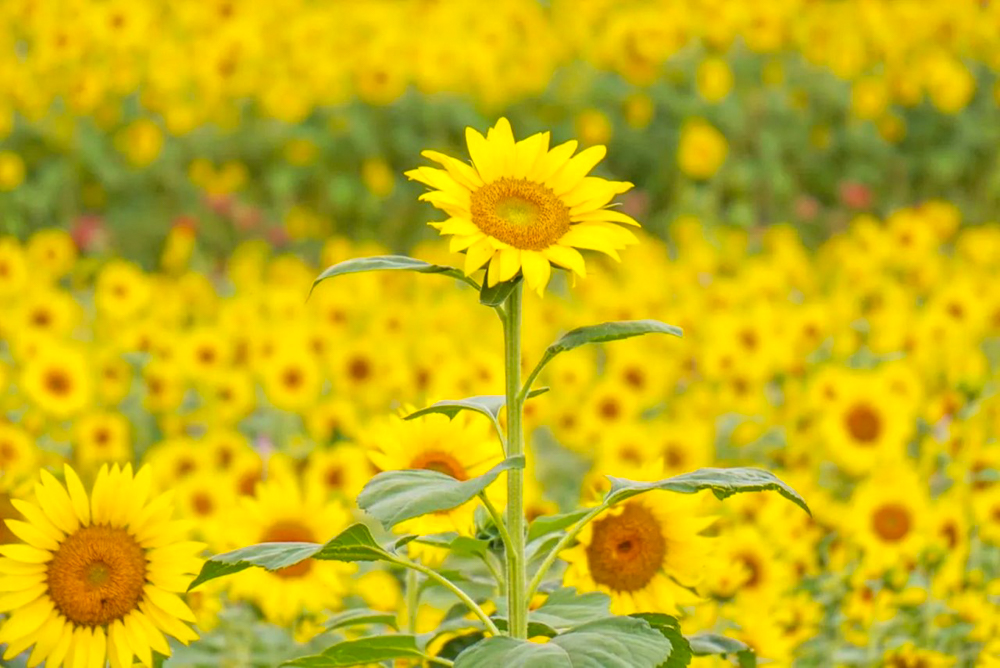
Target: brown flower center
[
  {"x": 891, "y": 522},
  {"x": 863, "y": 423},
  {"x": 97, "y": 575},
  {"x": 290, "y": 531},
  {"x": 58, "y": 382},
  {"x": 442, "y": 462},
  {"x": 626, "y": 550},
  {"x": 522, "y": 213}
]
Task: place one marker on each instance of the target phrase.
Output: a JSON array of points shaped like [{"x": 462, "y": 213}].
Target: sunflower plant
[{"x": 632, "y": 556}]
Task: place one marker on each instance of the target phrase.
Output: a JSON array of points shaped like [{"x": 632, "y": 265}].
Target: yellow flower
[
  {"x": 13, "y": 269},
  {"x": 715, "y": 79},
  {"x": 53, "y": 251},
  {"x": 141, "y": 142},
  {"x": 97, "y": 579},
  {"x": 102, "y": 438},
  {"x": 377, "y": 177},
  {"x": 11, "y": 170},
  {"x": 281, "y": 512},
  {"x": 702, "y": 149},
  {"x": 18, "y": 455},
  {"x": 889, "y": 516},
  {"x": 521, "y": 207},
  {"x": 58, "y": 380}
]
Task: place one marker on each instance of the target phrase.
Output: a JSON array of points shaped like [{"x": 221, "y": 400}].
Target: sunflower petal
[
  {"x": 464, "y": 174},
  {"x": 31, "y": 535},
  {"x": 77, "y": 495},
  {"x": 527, "y": 152},
  {"x": 536, "y": 270},
  {"x": 552, "y": 161},
  {"x": 482, "y": 155},
  {"x": 573, "y": 172},
  {"x": 478, "y": 255},
  {"x": 567, "y": 258},
  {"x": 608, "y": 215},
  {"x": 55, "y": 502}
]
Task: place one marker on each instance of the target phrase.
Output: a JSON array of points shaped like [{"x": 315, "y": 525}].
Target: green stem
[
  {"x": 412, "y": 600},
  {"x": 497, "y": 519},
  {"x": 439, "y": 660},
  {"x": 517, "y": 604},
  {"x": 559, "y": 547},
  {"x": 453, "y": 588}
]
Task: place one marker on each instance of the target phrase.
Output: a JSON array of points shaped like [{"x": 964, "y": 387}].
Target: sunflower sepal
[
  {"x": 373, "y": 649},
  {"x": 709, "y": 644},
  {"x": 390, "y": 263},
  {"x": 392, "y": 497},
  {"x": 723, "y": 483},
  {"x": 495, "y": 295},
  {"x": 612, "y": 642}
]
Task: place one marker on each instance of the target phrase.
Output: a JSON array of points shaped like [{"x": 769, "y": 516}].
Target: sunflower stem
[
  {"x": 412, "y": 600},
  {"x": 517, "y": 605},
  {"x": 453, "y": 588}
]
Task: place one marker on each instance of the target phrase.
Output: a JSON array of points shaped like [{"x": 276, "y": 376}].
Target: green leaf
[
  {"x": 270, "y": 556},
  {"x": 489, "y": 405},
  {"x": 608, "y": 331},
  {"x": 564, "y": 608},
  {"x": 392, "y": 497},
  {"x": 705, "y": 644},
  {"x": 456, "y": 543},
  {"x": 546, "y": 524},
  {"x": 498, "y": 294},
  {"x": 680, "y": 655},
  {"x": 614, "y": 642},
  {"x": 355, "y": 543},
  {"x": 359, "y": 617},
  {"x": 722, "y": 482},
  {"x": 390, "y": 263},
  {"x": 363, "y": 651}
]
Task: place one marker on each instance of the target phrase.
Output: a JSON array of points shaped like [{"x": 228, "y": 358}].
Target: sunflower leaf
[
  {"x": 361, "y": 652},
  {"x": 565, "y": 608},
  {"x": 392, "y": 497},
  {"x": 359, "y": 617},
  {"x": 704, "y": 644},
  {"x": 547, "y": 524},
  {"x": 722, "y": 482},
  {"x": 497, "y": 295},
  {"x": 608, "y": 331},
  {"x": 390, "y": 263},
  {"x": 613, "y": 642},
  {"x": 680, "y": 656},
  {"x": 489, "y": 405}
]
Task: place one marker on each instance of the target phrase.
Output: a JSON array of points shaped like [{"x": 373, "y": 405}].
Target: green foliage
[
  {"x": 392, "y": 497},
  {"x": 613, "y": 642},
  {"x": 390, "y": 263},
  {"x": 360, "y": 617},
  {"x": 671, "y": 630},
  {"x": 705, "y": 644},
  {"x": 498, "y": 294},
  {"x": 722, "y": 482},
  {"x": 489, "y": 405},
  {"x": 363, "y": 651}
]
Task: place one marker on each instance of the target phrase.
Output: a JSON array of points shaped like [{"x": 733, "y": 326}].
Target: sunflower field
[{"x": 542, "y": 333}]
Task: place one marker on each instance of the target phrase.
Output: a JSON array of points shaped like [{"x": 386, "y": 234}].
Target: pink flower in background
[
  {"x": 855, "y": 195},
  {"x": 88, "y": 232},
  {"x": 806, "y": 207}
]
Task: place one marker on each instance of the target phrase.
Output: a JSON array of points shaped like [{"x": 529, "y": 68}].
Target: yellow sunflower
[
  {"x": 280, "y": 512},
  {"x": 96, "y": 579},
  {"x": 645, "y": 553},
  {"x": 522, "y": 206},
  {"x": 890, "y": 517}
]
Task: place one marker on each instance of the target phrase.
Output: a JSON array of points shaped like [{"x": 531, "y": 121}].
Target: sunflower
[
  {"x": 523, "y": 207},
  {"x": 462, "y": 448},
  {"x": 59, "y": 381},
  {"x": 890, "y": 517},
  {"x": 18, "y": 454},
  {"x": 96, "y": 579},
  {"x": 645, "y": 553},
  {"x": 280, "y": 512}
]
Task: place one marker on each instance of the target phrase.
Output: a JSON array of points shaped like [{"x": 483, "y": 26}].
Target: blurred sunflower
[
  {"x": 97, "y": 578},
  {"x": 523, "y": 207}
]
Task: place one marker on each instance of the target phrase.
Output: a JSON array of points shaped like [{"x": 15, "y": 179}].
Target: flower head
[{"x": 522, "y": 207}]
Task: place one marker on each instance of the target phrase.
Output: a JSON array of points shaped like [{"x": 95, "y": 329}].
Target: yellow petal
[
  {"x": 461, "y": 242},
  {"x": 510, "y": 263},
  {"x": 21, "y": 582},
  {"x": 80, "y": 650},
  {"x": 591, "y": 239},
  {"x": 98, "y": 648},
  {"x": 501, "y": 137},
  {"x": 55, "y": 503},
  {"x": 461, "y": 172},
  {"x": 37, "y": 517},
  {"x": 168, "y": 624},
  {"x": 26, "y": 619},
  {"x": 461, "y": 226},
  {"x": 447, "y": 203},
  {"x": 567, "y": 258},
  {"x": 609, "y": 215},
  {"x": 169, "y": 603},
  {"x": 98, "y": 497},
  {"x": 118, "y": 647},
  {"x": 137, "y": 641},
  {"x": 60, "y": 651},
  {"x": 31, "y": 535},
  {"x": 620, "y": 236},
  {"x": 17, "y": 599},
  {"x": 551, "y": 162},
  {"x": 575, "y": 169},
  {"x": 478, "y": 255},
  {"x": 25, "y": 553},
  {"x": 47, "y": 639},
  {"x": 536, "y": 270},
  {"x": 482, "y": 155},
  {"x": 527, "y": 152},
  {"x": 157, "y": 641},
  {"x": 441, "y": 180},
  {"x": 77, "y": 495},
  {"x": 10, "y": 566},
  {"x": 600, "y": 201}
]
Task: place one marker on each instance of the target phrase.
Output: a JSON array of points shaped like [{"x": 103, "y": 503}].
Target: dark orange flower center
[{"x": 626, "y": 550}]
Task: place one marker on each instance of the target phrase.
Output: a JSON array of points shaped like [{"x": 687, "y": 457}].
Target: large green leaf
[
  {"x": 565, "y": 608},
  {"x": 360, "y": 617},
  {"x": 608, "y": 331},
  {"x": 489, "y": 405},
  {"x": 355, "y": 543},
  {"x": 722, "y": 482},
  {"x": 704, "y": 644},
  {"x": 614, "y": 642},
  {"x": 680, "y": 655},
  {"x": 361, "y": 652},
  {"x": 390, "y": 263},
  {"x": 547, "y": 524},
  {"x": 392, "y": 497}
]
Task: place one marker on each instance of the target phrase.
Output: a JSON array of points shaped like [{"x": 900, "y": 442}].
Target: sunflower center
[
  {"x": 290, "y": 531},
  {"x": 891, "y": 522},
  {"x": 863, "y": 423},
  {"x": 522, "y": 213},
  {"x": 441, "y": 462},
  {"x": 626, "y": 550},
  {"x": 97, "y": 575}
]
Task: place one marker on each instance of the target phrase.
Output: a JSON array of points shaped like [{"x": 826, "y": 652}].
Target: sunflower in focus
[
  {"x": 522, "y": 207},
  {"x": 96, "y": 579},
  {"x": 645, "y": 554}
]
